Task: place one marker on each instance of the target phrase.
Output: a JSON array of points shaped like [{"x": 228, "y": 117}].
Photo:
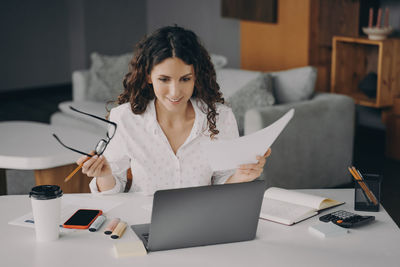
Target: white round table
[{"x": 31, "y": 146}]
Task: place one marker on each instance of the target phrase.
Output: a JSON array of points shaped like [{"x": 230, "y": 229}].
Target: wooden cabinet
[{"x": 354, "y": 58}]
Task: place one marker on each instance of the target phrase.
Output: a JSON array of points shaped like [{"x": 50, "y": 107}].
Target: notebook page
[
  {"x": 294, "y": 197},
  {"x": 329, "y": 203},
  {"x": 284, "y": 212}
]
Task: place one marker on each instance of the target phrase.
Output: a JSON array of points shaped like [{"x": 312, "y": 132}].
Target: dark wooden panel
[
  {"x": 330, "y": 18},
  {"x": 327, "y": 19},
  {"x": 3, "y": 182},
  {"x": 253, "y": 10},
  {"x": 338, "y": 17}
]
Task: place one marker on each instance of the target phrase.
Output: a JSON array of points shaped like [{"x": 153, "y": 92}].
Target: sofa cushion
[
  {"x": 257, "y": 93},
  {"x": 219, "y": 61},
  {"x": 231, "y": 80},
  {"x": 106, "y": 76},
  {"x": 294, "y": 85}
]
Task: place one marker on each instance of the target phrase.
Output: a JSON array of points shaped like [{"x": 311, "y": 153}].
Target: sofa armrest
[
  {"x": 80, "y": 84},
  {"x": 315, "y": 148}
]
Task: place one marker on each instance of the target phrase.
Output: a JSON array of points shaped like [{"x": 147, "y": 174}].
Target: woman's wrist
[
  {"x": 232, "y": 179},
  {"x": 105, "y": 183}
]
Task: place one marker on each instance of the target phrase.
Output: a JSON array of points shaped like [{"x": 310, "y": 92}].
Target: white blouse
[{"x": 140, "y": 144}]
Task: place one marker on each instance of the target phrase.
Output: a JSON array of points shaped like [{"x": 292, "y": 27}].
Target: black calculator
[{"x": 346, "y": 219}]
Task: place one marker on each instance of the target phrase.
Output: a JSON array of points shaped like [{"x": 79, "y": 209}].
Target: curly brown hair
[{"x": 167, "y": 42}]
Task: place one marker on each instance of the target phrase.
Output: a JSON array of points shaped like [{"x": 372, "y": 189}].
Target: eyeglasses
[{"x": 101, "y": 145}]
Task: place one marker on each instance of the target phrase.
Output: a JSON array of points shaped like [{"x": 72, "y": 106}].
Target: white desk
[{"x": 376, "y": 244}]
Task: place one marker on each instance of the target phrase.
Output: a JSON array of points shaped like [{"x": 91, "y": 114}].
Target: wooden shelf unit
[{"x": 354, "y": 58}]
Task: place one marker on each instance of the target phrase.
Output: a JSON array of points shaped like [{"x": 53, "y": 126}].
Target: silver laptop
[{"x": 205, "y": 215}]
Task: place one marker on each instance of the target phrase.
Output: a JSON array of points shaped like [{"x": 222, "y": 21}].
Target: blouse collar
[{"x": 199, "y": 125}]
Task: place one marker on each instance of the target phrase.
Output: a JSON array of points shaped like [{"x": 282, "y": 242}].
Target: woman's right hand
[{"x": 95, "y": 166}]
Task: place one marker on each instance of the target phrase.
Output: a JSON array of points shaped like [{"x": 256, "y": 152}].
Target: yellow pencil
[
  {"x": 362, "y": 184},
  {"x": 74, "y": 171},
  {"x": 357, "y": 172}
]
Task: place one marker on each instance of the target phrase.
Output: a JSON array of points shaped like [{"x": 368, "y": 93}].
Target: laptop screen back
[{"x": 205, "y": 215}]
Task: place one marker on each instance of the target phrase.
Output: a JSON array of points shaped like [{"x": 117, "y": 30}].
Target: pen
[
  {"x": 366, "y": 186},
  {"x": 370, "y": 197},
  {"x": 119, "y": 230},
  {"x": 363, "y": 190},
  {"x": 111, "y": 226},
  {"x": 97, "y": 223}
]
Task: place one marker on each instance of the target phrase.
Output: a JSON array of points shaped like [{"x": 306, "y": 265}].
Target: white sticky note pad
[
  {"x": 129, "y": 249},
  {"x": 327, "y": 229}
]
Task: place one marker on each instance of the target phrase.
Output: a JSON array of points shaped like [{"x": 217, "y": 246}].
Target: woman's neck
[{"x": 176, "y": 118}]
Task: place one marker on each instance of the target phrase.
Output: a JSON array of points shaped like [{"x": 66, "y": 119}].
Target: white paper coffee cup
[{"x": 46, "y": 208}]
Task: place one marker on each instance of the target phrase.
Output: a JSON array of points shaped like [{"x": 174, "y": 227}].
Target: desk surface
[
  {"x": 30, "y": 145},
  {"x": 376, "y": 244}
]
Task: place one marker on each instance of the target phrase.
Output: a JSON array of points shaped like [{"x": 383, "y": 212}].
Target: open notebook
[{"x": 289, "y": 207}]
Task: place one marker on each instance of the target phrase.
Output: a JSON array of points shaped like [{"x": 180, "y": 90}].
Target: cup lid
[{"x": 44, "y": 192}]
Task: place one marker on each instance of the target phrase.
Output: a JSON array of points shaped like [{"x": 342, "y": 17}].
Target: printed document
[{"x": 229, "y": 154}]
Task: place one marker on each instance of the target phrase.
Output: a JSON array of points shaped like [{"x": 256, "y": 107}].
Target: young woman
[{"x": 171, "y": 104}]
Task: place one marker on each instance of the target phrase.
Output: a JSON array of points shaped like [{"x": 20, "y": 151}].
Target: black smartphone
[{"x": 82, "y": 219}]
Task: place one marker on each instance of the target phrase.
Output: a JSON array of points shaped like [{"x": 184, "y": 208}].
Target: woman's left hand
[{"x": 249, "y": 172}]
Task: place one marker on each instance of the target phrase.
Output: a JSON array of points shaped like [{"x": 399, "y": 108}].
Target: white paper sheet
[
  {"x": 229, "y": 154},
  {"x": 69, "y": 205}
]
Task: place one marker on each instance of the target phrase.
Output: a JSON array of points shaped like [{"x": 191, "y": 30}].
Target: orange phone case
[{"x": 100, "y": 212}]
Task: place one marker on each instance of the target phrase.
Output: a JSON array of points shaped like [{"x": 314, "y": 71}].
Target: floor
[{"x": 40, "y": 103}]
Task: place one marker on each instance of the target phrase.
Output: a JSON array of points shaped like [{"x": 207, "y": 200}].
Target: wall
[
  {"x": 219, "y": 35},
  {"x": 43, "y": 41},
  {"x": 113, "y": 27},
  {"x": 394, "y": 16},
  {"x": 34, "y": 45},
  {"x": 281, "y": 45}
]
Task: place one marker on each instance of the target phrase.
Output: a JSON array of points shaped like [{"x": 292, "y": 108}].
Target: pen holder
[{"x": 367, "y": 194}]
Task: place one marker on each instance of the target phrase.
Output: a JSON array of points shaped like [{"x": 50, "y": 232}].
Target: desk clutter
[
  {"x": 346, "y": 219},
  {"x": 367, "y": 190},
  {"x": 129, "y": 249},
  {"x": 278, "y": 205},
  {"x": 115, "y": 228},
  {"x": 327, "y": 230},
  {"x": 289, "y": 207}
]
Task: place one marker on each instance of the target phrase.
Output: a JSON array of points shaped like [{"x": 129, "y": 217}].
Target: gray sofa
[
  {"x": 315, "y": 148},
  {"x": 313, "y": 151}
]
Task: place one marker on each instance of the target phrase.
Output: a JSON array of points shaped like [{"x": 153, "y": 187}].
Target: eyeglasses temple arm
[
  {"x": 77, "y": 151},
  {"x": 94, "y": 116}
]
